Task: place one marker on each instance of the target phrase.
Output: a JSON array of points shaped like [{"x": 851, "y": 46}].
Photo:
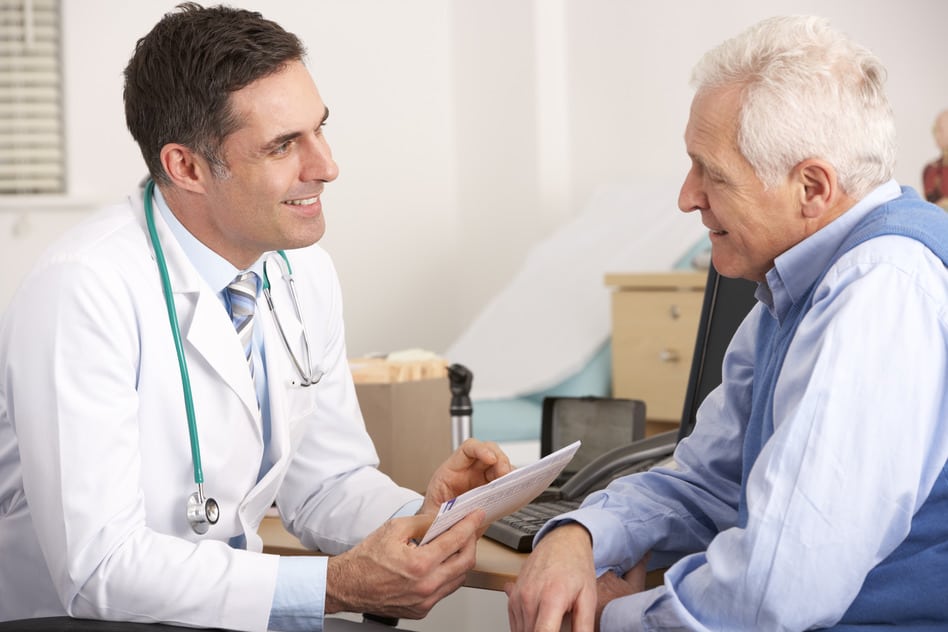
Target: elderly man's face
[{"x": 749, "y": 225}]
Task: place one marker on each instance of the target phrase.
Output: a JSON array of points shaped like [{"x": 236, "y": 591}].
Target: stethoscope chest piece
[{"x": 202, "y": 512}]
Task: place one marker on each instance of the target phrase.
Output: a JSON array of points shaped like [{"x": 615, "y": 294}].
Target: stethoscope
[{"x": 202, "y": 511}]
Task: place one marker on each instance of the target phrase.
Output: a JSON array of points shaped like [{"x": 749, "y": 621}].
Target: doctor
[{"x": 122, "y": 498}]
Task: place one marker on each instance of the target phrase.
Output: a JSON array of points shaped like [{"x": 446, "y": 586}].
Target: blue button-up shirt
[{"x": 858, "y": 441}]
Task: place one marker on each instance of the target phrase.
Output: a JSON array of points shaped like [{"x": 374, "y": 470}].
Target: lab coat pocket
[{"x": 300, "y": 408}]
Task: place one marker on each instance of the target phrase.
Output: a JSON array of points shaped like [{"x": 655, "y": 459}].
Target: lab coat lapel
[
  {"x": 284, "y": 391},
  {"x": 213, "y": 336},
  {"x": 291, "y": 405},
  {"x": 203, "y": 321},
  {"x": 259, "y": 499}
]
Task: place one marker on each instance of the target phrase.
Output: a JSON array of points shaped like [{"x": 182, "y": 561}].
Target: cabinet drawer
[{"x": 653, "y": 337}]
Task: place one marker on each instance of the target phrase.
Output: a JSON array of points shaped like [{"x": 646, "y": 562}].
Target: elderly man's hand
[{"x": 557, "y": 583}]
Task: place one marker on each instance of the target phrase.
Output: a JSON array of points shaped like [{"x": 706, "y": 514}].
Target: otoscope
[{"x": 460, "y": 378}]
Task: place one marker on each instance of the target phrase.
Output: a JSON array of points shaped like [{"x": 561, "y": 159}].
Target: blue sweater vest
[{"x": 910, "y": 586}]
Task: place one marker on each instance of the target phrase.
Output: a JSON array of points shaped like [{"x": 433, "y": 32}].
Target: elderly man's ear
[{"x": 819, "y": 190}]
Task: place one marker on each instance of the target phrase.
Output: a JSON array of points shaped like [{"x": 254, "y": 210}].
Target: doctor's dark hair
[{"x": 179, "y": 80}]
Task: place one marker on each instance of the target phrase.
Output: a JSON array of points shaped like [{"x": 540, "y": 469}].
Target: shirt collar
[
  {"x": 216, "y": 271},
  {"x": 796, "y": 269}
]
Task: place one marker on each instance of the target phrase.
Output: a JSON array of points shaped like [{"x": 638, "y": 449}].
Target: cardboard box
[{"x": 410, "y": 423}]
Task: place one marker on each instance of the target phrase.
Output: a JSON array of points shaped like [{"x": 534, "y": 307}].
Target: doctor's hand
[
  {"x": 556, "y": 581},
  {"x": 472, "y": 464},
  {"x": 387, "y": 574}
]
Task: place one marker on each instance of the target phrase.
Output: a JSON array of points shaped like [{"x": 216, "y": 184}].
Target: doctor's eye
[{"x": 283, "y": 148}]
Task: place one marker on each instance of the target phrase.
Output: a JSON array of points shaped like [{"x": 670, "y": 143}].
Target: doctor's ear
[{"x": 185, "y": 168}]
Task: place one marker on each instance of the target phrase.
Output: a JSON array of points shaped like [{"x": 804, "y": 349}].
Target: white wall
[{"x": 467, "y": 131}]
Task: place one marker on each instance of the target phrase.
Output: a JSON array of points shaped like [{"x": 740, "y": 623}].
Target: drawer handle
[
  {"x": 668, "y": 355},
  {"x": 675, "y": 312}
]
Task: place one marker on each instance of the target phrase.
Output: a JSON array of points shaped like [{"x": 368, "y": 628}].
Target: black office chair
[{"x": 726, "y": 303}]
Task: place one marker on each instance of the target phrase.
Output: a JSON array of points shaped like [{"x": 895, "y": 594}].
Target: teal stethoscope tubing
[
  {"x": 176, "y": 334},
  {"x": 204, "y": 511}
]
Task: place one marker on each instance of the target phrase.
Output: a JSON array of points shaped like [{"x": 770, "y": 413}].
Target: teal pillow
[
  {"x": 518, "y": 418},
  {"x": 514, "y": 419}
]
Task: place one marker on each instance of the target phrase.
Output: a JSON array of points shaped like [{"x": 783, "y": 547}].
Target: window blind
[{"x": 31, "y": 129}]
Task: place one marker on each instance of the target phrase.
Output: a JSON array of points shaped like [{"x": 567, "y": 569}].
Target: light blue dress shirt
[
  {"x": 858, "y": 441},
  {"x": 300, "y": 594}
]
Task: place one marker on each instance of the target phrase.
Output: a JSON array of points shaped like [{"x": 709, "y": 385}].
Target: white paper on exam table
[{"x": 504, "y": 495}]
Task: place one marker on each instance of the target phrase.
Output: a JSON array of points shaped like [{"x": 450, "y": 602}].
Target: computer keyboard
[{"x": 516, "y": 530}]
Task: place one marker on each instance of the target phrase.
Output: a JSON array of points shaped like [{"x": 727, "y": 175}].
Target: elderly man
[{"x": 813, "y": 490}]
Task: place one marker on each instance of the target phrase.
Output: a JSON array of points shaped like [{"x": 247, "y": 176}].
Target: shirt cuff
[
  {"x": 299, "y": 600},
  {"x": 409, "y": 509},
  {"x": 630, "y": 612}
]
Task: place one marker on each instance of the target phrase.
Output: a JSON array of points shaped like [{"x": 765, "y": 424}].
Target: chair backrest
[
  {"x": 726, "y": 303},
  {"x": 600, "y": 423}
]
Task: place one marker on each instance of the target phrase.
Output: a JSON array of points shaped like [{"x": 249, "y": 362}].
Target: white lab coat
[{"x": 95, "y": 464}]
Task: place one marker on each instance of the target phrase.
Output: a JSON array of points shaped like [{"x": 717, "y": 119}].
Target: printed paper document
[{"x": 503, "y": 495}]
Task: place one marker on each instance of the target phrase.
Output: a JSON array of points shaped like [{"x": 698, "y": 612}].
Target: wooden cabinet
[{"x": 654, "y": 325}]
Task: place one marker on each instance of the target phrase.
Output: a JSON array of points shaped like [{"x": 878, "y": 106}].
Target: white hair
[{"x": 808, "y": 91}]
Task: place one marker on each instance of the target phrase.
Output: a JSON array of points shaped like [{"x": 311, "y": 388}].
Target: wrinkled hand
[
  {"x": 472, "y": 464},
  {"x": 387, "y": 574},
  {"x": 558, "y": 578}
]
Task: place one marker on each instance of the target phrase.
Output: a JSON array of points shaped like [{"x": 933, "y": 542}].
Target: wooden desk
[
  {"x": 279, "y": 541},
  {"x": 496, "y": 564}
]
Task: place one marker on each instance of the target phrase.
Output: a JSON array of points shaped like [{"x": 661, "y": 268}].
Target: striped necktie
[{"x": 242, "y": 292}]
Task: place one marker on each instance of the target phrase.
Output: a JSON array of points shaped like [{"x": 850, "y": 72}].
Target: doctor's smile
[{"x": 303, "y": 202}]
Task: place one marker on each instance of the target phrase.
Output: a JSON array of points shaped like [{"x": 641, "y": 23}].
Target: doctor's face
[{"x": 278, "y": 162}]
